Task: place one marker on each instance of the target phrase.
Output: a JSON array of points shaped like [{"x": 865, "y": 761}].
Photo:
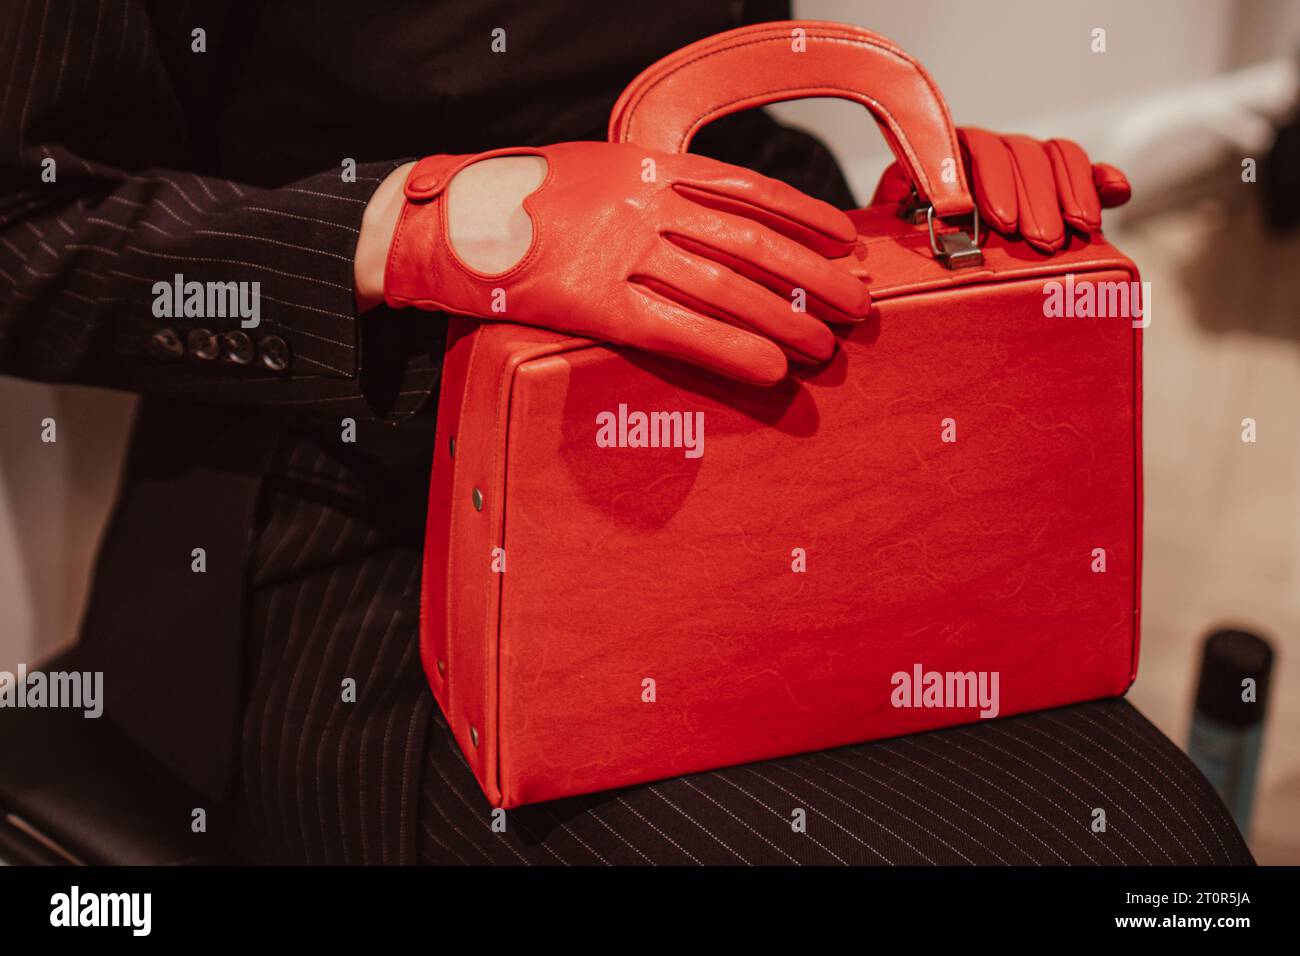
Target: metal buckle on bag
[
  {"x": 956, "y": 250},
  {"x": 912, "y": 209}
]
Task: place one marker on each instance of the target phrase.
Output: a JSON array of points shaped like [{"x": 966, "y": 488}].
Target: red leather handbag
[{"x": 637, "y": 569}]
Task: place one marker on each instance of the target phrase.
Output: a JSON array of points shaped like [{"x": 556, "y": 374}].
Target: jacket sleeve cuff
[{"x": 289, "y": 254}]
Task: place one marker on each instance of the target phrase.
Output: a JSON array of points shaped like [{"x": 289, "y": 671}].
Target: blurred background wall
[
  {"x": 1027, "y": 65},
  {"x": 54, "y": 501},
  {"x": 1183, "y": 92}
]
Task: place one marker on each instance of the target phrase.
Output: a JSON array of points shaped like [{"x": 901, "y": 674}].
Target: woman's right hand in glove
[{"x": 673, "y": 253}]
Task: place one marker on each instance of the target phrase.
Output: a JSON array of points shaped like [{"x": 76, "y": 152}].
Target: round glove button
[{"x": 424, "y": 184}]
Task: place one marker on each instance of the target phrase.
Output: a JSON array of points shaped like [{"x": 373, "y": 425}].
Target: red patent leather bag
[{"x": 957, "y": 492}]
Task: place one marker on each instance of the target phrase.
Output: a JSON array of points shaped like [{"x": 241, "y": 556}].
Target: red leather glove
[
  {"x": 699, "y": 264},
  {"x": 1027, "y": 186}
]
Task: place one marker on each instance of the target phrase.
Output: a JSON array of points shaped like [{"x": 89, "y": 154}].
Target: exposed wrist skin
[
  {"x": 487, "y": 224},
  {"x": 377, "y": 225}
]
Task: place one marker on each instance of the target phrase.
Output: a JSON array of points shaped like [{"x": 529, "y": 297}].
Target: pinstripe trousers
[
  {"x": 345, "y": 758},
  {"x": 336, "y": 705}
]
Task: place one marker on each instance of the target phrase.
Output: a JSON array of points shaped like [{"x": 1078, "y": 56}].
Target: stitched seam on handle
[
  {"x": 704, "y": 119},
  {"x": 783, "y": 37}
]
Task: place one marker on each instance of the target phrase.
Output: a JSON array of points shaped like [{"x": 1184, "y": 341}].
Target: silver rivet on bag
[
  {"x": 473, "y": 734},
  {"x": 442, "y": 668},
  {"x": 478, "y": 500}
]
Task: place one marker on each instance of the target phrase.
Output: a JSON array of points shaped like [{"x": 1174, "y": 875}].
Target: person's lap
[
  {"x": 1023, "y": 790},
  {"x": 336, "y": 706},
  {"x": 374, "y": 776}
]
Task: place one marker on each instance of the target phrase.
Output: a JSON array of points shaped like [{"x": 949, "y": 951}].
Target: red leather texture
[
  {"x": 689, "y": 257},
  {"x": 628, "y": 564},
  {"x": 668, "y": 103},
  {"x": 1028, "y": 187}
]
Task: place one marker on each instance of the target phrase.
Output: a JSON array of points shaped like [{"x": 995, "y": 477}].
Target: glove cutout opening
[{"x": 497, "y": 231}]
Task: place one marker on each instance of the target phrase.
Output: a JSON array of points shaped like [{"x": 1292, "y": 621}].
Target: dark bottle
[{"x": 1228, "y": 722}]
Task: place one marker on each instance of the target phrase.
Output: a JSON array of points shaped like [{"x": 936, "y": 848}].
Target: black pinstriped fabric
[
  {"x": 1022, "y": 790},
  {"x": 117, "y": 172},
  {"x": 98, "y": 90},
  {"x": 329, "y": 776}
]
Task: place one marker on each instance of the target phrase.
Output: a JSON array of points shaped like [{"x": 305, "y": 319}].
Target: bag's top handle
[{"x": 751, "y": 66}]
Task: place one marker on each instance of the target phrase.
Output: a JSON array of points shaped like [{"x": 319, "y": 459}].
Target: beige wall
[
  {"x": 54, "y": 500},
  {"x": 1041, "y": 67}
]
